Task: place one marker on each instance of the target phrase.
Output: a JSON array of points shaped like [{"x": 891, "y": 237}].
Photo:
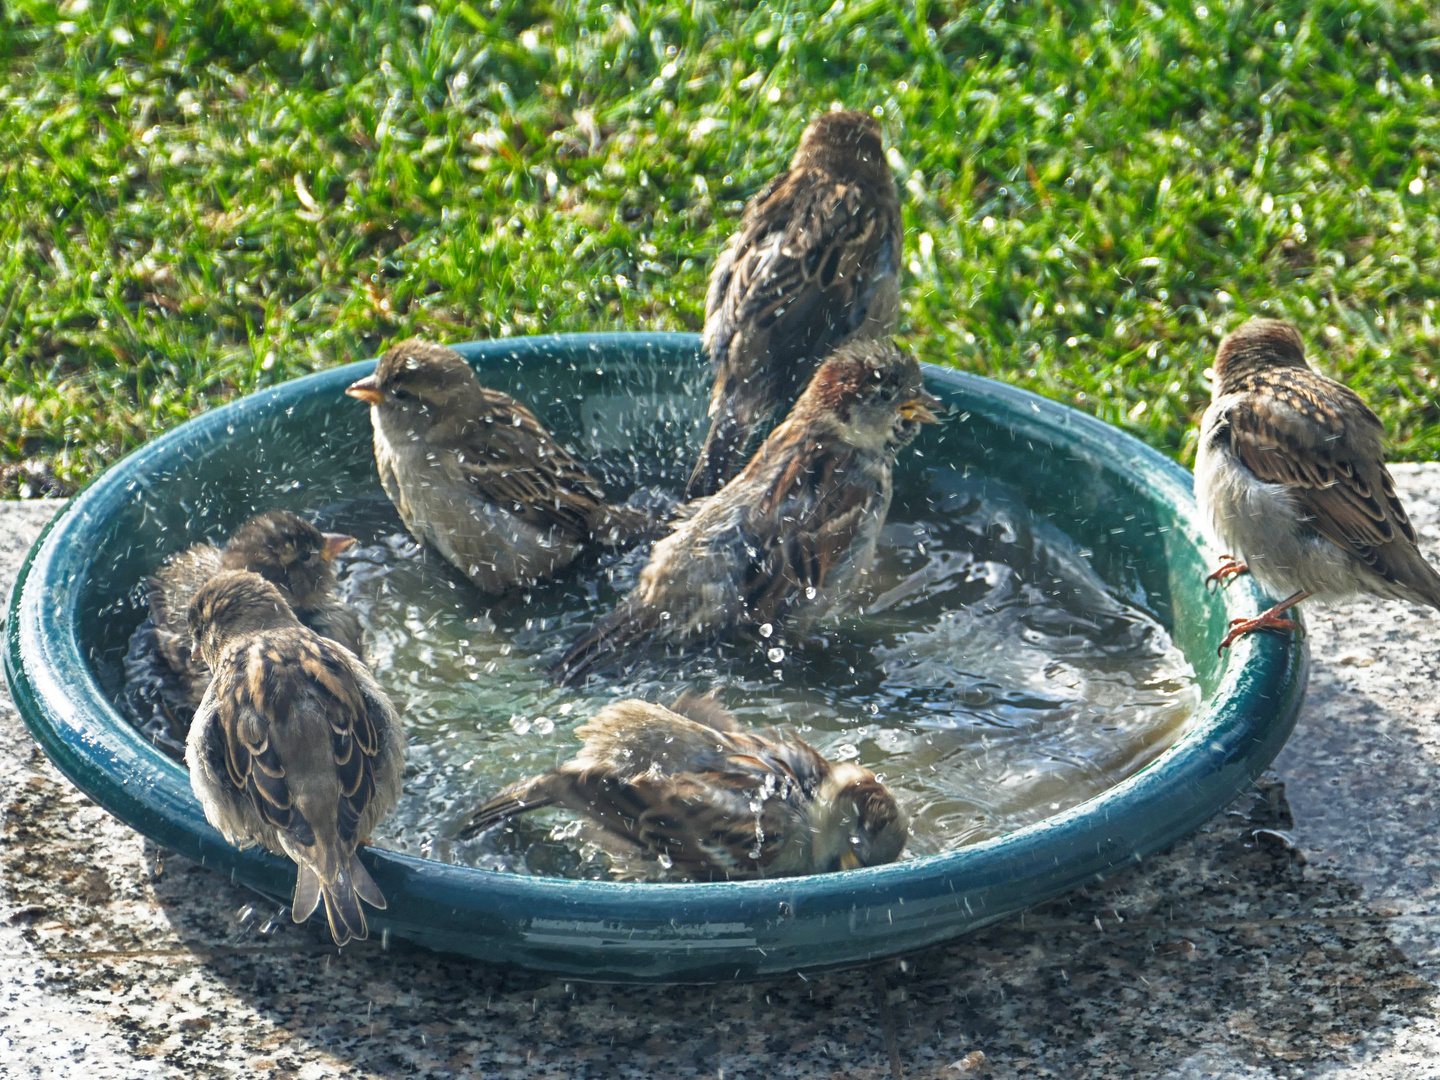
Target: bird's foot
[
  {"x": 1230, "y": 567},
  {"x": 1264, "y": 621}
]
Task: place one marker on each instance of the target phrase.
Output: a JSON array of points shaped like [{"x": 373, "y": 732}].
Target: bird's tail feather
[
  {"x": 517, "y": 799},
  {"x": 624, "y": 630},
  {"x": 720, "y": 455},
  {"x": 341, "y": 897}
]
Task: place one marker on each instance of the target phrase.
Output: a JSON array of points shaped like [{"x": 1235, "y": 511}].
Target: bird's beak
[
  {"x": 919, "y": 408},
  {"x": 366, "y": 389},
  {"x": 334, "y": 544},
  {"x": 848, "y": 859}
]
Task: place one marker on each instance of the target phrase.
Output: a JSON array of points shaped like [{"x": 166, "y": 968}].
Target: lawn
[{"x": 209, "y": 196}]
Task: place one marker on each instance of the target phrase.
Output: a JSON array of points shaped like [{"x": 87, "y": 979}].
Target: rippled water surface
[{"x": 992, "y": 679}]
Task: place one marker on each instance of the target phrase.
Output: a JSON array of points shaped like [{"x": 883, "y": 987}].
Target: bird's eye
[{"x": 400, "y": 392}]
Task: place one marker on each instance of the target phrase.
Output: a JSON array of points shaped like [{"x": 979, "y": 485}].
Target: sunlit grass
[{"x": 202, "y": 198}]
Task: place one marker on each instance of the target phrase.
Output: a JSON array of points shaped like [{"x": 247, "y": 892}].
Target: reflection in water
[{"x": 992, "y": 679}]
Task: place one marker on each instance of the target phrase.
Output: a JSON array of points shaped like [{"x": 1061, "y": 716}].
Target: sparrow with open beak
[
  {"x": 473, "y": 473},
  {"x": 165, "y": 677},
  {"x": 1291, "y": 475},
  {"x": 690, "y": 786},
  {"x": 294, "y": 746},
  {"x": 788, "y": 539},
  {"x": 814, "y": 263}
]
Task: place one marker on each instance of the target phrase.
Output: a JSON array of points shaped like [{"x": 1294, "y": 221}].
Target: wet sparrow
[
  {"x": 164, "y": 677},
  {"x": 788, "y": 538},
  {"x": 1291, "y": 474},
  {"x": 814, "y": 263},
  {"x": 473, "y": 472},
  {"x": 688, "y": 784},
  {"x": 294, "y": 746}
]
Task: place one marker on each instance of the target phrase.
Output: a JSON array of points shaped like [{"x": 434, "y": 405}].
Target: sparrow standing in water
[
  {"x": 815, "y": 263},
  {"x": 690, "y": 786},
  {"x": 1291, "y": 474},
  {"x": 474, "y": 474},
  {"x": 294, "y": 747},
  {"x": 788, "y": 538},
  {"x": 164, "y": 677}
]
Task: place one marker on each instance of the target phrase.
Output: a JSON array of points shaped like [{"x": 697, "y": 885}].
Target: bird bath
[{"x": 303, "y": 446}]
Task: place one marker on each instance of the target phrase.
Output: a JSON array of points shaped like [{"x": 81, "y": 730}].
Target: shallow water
[{"x": 992, "y": 678}]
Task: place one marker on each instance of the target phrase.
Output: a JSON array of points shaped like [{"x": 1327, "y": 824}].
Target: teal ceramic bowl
[{"x": 303, "y": 446}]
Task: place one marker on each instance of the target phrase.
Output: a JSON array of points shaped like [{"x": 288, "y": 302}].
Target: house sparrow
[
  {"x": 815, "y": 263},
  {"x": 788, "y": 538},
  {"x": 1291, "y": 474},
  {"x": 164, "y": 677},
  {"x": 294, "y": 747},
  {"x": 688, "y": 784},
  {"x": 473, "y": 472}
]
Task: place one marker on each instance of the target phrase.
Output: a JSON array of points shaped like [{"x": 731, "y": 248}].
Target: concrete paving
[{"x": 1296, "y": 935}]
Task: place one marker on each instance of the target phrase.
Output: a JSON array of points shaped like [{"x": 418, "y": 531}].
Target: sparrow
[
  {"x": 789, "y": 538},
  {"x": 1290, "y": 474},
  {"x": 474, "y": 474},
  {"x": 294, "y": 747},
  {"x": 690, "y": 786},
  {"x": 815, "y": 262},
  {"x": 165, "y": 678}
]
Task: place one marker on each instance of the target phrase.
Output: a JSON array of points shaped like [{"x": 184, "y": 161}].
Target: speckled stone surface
[{"x": 1296, "y": 935}]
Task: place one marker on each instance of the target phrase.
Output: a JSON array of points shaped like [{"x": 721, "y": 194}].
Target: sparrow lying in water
[
  {"x": 474, "y": 474},
  {"x": 814, "y": 263},
  {"x": 294, "y": 747},
  {"x": 164, "y": 676},
  {"x": 716, "y": 801},
  {"x": 789, "y": 538},
  {"x": 1291, "y": 474}
]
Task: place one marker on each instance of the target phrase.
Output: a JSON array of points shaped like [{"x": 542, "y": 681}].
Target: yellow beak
[
  {"x": 366, "y": 389},
  {"x": 919, "y": 408},
  {"x": 335, "y": 543},
  {"x": 849, "y": 860}
]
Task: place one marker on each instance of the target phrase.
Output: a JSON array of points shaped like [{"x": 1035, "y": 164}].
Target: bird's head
[
  {"x": 1255, "y": 347},
  {"x": 416, "y": 382},
  {"x": 843, "y": 140},
  {"x": 290, "y": 553},
  {"x": 872, "y": 394},
  {"x": 232, "y": 604},
  {"x": 865, "y": 826}
]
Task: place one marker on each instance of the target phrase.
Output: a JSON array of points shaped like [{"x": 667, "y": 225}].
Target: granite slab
[{"x": 1297, "y": 934}]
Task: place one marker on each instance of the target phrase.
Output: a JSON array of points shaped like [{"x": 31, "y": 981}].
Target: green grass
[{"x": 210, "y": 196}]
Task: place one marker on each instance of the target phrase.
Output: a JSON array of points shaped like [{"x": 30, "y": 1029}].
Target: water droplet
[
  {"x": 543, "y": 725},
  {"x": 809, "y": 592},
  {"x": 846, "y": 752},
  {"x": 767, "y": 630},
  {"x": 664, "y": 860},
  {"x": 519, "y": 725},
  {"x": 776, "y": 655}
]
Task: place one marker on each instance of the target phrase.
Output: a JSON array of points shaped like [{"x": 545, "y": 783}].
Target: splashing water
[{"x": 990, "y": 677}]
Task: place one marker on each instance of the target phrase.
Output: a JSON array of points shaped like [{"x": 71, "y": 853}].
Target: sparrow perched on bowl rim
[
  {"x": 815, "y": 262},
  {"x": 294, "y": 747},
  {"x": 693, "y": 788},
  {"x": 788, "y": 539},
  {"x": 1290, "y": 473},
  {"x": 474, "y": 474},
  {"x": 165, "y": 676}
]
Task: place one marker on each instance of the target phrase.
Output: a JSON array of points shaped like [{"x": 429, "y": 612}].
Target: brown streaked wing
[
  {"x": 252, "y": 764},
  {"x": 1310, "y": 448},
  {"x": 809, "y": 521}
]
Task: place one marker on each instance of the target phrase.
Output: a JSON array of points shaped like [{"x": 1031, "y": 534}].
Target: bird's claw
[
  {"x": 1230, "y": 568},
  {"x": 1264, "y": 621}
]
